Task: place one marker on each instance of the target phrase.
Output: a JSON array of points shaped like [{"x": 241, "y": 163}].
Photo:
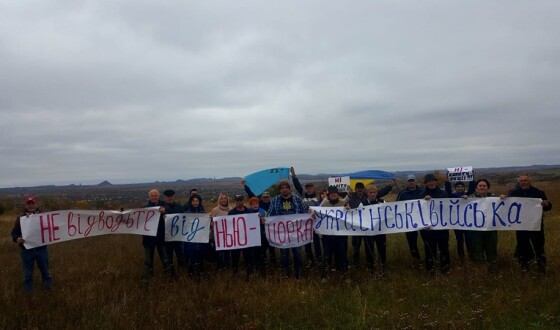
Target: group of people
[{"x": 331, "y": 252}]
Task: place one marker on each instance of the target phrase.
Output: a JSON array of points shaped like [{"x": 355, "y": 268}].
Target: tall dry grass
[{"x": 97, "y": 284}]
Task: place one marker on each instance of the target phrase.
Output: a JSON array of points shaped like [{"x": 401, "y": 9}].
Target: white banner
[
  {"x": 237, "y": 231},
  {"x": 341, "y": 182},
  {"x": 456, "y": 174},
  {"x": 287, "y": 231},
  {"x": 187, "y": 227},
  {"x": 491, "y": 213},
  {"x": 59, "y": 226}
]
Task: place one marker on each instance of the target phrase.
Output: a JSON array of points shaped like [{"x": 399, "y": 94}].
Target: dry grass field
[{"x": 97, "y": 285}]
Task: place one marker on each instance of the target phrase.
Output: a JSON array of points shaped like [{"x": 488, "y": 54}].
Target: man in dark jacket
[
  {"x": 463, "y": 237},
  {"x": 29, "y": 257},
  {"x": 174, "y": 248},
  {"x": 411, "y": 192},
  {"x": 530, "y": 243},
  {"x": 435, "y": 239},
  {"x": 151, "y": 243}
]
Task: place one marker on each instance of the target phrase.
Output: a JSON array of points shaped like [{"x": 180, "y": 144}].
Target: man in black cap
[
  {"x": 171, "y": 207},
  {"x": 435, "y": 239}
]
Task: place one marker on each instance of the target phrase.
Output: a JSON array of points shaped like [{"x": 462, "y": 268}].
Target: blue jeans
[
  {"x": 40, "y": 255},
  {"x": 285, "y": 261}
]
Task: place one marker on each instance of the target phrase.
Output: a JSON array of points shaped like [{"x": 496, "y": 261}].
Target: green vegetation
[{"x": 97, "y": 284}]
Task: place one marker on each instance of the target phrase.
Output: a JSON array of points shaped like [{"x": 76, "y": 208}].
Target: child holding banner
[{"x": 29, "y": 257}]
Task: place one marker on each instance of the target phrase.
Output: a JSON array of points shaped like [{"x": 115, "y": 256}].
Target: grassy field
[{"x": 97, "y": 284}]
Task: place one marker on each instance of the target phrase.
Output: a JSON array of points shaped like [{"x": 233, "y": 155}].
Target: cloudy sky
[{"x": 137, "y": 91}]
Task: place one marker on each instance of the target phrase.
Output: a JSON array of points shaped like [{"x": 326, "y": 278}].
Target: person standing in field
[
  {"x": 484, "y": 243},
  {"x": 309, "y": 198},
  {"x": 462, "y": 237},
  {"x": 435, "y": 240},
  {"x": 380, "y": 241},
  {"x": 284, "y": 204},
  {"x": 194, "y": 251},
  {"x": 151, "y": 243},
  {"x": 530, "y": 244},
  {"x": 259, "y": 253},
  {"x": 411, "y": 192},
  {"x": 174, "y": 248},
  {"x": 224, "y": 256},
  {"x": 194, "y": 192},
  {"x": 335, "y": 246},
  {"x": 29, "y": 257},
  {"x": 248, "y": 253},
  {"x": 354, "y": 200},
  {"x": 264, "y": 203}
]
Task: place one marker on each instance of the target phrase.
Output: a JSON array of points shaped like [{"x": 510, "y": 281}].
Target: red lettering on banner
[
  {"x": 309, "y": 229},
  {"x": 149, "y": 215},
  {"x": 91, "y": 223},
  {"x": 47, "y": 225}
]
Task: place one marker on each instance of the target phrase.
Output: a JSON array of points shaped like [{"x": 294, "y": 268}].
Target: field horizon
[{"x": 98, "y": 284}]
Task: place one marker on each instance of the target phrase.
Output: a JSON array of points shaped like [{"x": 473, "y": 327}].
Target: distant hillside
[{"x": 229, "y": 181}]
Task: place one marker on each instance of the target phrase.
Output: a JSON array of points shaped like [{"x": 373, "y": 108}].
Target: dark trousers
[
  {"x": 223, "y": 259},
  {"x": 39, "y": 255},
  {"x": 530, "y": 244},
  {"x": 195, "y": 255},
  {"x": 356, "y": 246},
  {"x": 434, "y": 240},
  {"x": 285, "y": 261},
  {"x": 175, "y": 248},
  {"x": 464, "y": 237},
  {"x": 379, "y": 241},
  {"x": 313, "y": 250},
  {"x": 412, "y": 240},
  {"x": 149, "y": 252}
]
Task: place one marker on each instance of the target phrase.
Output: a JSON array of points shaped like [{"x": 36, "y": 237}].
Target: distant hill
[{"x": 106, "y": 185}]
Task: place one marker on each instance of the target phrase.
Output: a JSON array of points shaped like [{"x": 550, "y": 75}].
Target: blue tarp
[
  {"x": 262, "y": 180},
  {"x": 372, "y": 174}
]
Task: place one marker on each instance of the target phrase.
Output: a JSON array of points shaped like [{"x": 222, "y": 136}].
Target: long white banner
[
  {"x": 237, "y": 231},
  {"x": 59, "y": 226},
  {"x": 289, "y": 231},
  {"x": 482, "y": 214},
  {"x": 187, "y": 227}
]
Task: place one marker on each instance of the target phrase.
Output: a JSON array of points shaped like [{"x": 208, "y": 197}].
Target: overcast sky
[{"x": 138, "y": 91}]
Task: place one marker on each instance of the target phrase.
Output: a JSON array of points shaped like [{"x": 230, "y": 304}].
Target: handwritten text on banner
[
  {"x": 287, "y": 231},
  {"x": 237, "y": 231},
  {"x": 187, "y": 227},
  {"x": 490, "y": 213},
  {"x": 59, "y": 226}
]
